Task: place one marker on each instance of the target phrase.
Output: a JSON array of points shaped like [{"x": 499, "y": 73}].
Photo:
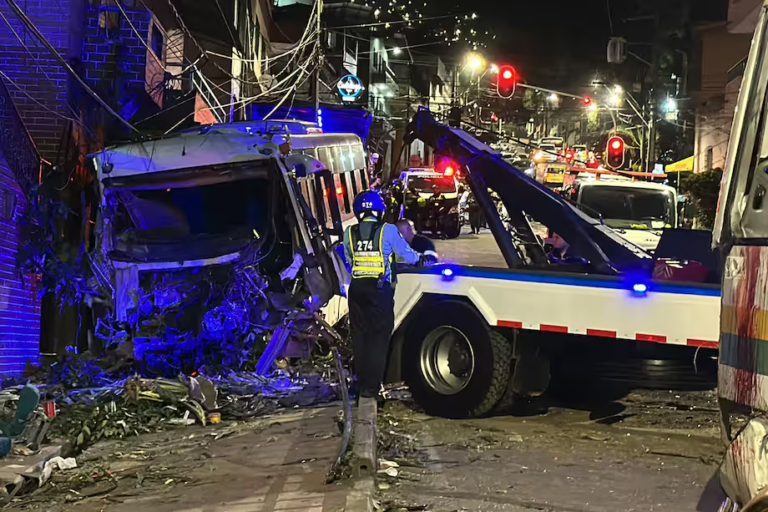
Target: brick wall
[
  {"x": 37, "y": 72},
  {"x": 114, "y": 58},
  {"x": 19, "y": 301}
]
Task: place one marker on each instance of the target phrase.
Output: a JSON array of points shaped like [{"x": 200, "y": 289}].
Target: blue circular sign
[{"x": 350, "y": 87}]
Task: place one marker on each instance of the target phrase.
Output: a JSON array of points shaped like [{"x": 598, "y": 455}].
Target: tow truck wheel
[{"x": 455, "y": 365}]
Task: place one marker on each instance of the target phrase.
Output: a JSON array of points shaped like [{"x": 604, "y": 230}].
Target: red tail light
[{"x": 340, "y": 190}]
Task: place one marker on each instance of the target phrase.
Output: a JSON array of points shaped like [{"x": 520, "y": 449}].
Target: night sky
[{"x": 551, "y": 43}]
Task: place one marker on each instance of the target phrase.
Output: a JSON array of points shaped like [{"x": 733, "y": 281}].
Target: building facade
[
  {"x": 722, "y": 51},
  {"x": 19, "y": 299},
  {"x": 81, "y": 74}
]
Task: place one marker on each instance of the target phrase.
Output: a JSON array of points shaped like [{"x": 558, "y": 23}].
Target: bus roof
[{"x": 221, "y": 144}]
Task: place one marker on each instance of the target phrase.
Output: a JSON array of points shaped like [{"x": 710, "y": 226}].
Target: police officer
[{"x": 370, "y": 248}]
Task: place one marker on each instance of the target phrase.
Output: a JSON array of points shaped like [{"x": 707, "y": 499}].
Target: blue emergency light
[
  {"x": 447, "y": 274},
  {"x": 640, "y": 288}
]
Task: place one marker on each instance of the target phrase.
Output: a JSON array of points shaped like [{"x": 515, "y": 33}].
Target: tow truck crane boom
[{"x": 606, "y": 252}]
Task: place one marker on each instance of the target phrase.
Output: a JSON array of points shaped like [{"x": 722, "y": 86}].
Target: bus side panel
[{"x": 743, "y": 363}]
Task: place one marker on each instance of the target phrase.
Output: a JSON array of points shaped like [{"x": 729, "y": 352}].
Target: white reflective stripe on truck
[{"x": 665, "y": 313}]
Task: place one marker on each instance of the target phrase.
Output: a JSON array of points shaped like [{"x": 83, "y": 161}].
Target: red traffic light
[
  {"x": 587, "y": 101},
  {"x": 507, "y": 81},
  {"x": 614, "y": 154}
]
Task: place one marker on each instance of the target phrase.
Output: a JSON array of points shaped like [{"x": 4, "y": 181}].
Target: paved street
[
  {"x": 657, "y": 454},
  {"x": 272, "y": 464}
]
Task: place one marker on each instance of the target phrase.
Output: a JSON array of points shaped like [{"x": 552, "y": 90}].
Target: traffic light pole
[
  {"x": 650, "y": 160},
  {"x": 552, "y": 91},
  {"x": 477, "y": 103}
]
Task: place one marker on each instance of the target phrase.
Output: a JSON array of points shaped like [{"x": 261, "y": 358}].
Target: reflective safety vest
[{"x": 367, "y": 253}]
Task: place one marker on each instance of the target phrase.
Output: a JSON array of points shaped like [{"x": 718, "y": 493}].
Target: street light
[
  {"x": 397, "y": 50},
  {"x": 615, "y": 100},
  {"x": 618, "y": 89},
  {"x": 553, "y": 97},
  {"x": 494, "y": 68},
  {"x": 670, "y": 105},
  {"x": 474, "y": 61}
]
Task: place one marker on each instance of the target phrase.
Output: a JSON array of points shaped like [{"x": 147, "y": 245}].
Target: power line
[
  {"x": 204, "y": 52},
  {"x": 366, "y": 25},
  {"x": 31, "y": 26},
  {"x": 43, "y": 105},
  {"x": 42, "y": 70},
  {"x": 235, "y": 41}
]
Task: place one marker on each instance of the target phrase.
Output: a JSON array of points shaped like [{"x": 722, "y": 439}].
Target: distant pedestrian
[
  {"x": 418, "y": 243},
  {"x": 476, "y": 219}
]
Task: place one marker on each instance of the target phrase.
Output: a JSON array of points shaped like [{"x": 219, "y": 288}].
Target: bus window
[
  {"x": 342, "y": 193},
  {"x": 363, "y": 179},
  {"x": 306, "y": 191},
  {"x": 339, "y": 165},
  {"x": 323, "y": 156},
  {"x": 321, "y": 204},
  {"x": 352, "y": 181}
]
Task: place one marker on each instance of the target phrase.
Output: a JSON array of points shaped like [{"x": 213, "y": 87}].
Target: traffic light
[
  {"x": 507, "y": 81},
  {"x": 587, "y": 101},
  {"x": 614, "y": 153}
]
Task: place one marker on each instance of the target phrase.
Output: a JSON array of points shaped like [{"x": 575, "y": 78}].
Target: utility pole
[
  {"x": 477, "y": 103},
  {"x": 320, "y": 59},
  {"x": 650, "y": 159}
]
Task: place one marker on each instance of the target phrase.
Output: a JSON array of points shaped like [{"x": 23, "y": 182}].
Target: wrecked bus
[{"x": 221, "y": 231}]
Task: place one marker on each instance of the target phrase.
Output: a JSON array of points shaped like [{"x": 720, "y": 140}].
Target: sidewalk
[{"x": 279, "y": 465}]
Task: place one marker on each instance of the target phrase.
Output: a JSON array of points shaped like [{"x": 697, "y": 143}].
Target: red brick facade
[{"x": 43, "y": 80}]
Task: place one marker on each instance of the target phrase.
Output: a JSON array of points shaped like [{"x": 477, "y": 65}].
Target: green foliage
[
  {"x": 114, "y": 417},
  {"x": 704, "y": 189},
  {"x": 74, "y": 371},
  {"x": 46, "y": 251}
]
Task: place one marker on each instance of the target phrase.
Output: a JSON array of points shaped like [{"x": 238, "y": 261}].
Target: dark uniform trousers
[{"x": 372, "y": 319}]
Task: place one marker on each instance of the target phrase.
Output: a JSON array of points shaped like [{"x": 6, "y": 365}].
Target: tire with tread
[{"x": 492, "y": 359}]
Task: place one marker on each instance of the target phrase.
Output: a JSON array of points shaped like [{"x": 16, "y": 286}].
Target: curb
[
  {"x": 365, "y": 439},
  {"x": 361, "y": 497}
]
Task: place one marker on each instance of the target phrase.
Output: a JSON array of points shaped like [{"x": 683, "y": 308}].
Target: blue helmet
[{"x": 369, "y": 203}]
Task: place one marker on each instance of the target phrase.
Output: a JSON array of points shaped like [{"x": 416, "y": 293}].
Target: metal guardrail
[
  {"x": 200, "y": 82},
  {"x": 16, "y": 144}
]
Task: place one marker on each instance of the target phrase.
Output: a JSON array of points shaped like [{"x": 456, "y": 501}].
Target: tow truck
[{"x": 469, "y": 341}]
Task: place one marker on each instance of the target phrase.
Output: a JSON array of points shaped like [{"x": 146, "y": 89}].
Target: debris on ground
[{"x": 79, "y": 417}]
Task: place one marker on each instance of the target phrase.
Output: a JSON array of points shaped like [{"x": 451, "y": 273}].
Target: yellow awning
[{"x": 681, "y": 166}]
